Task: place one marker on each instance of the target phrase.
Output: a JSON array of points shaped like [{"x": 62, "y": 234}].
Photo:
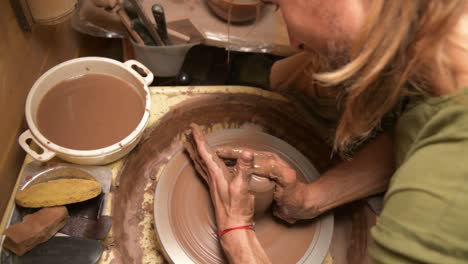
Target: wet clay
[
  {"x": 161, "y": 142},
  {"x": 90, "y": 112},
  {"x": 191, "y": 217},
  {"x": 263, "y": 189},
  {"x": 194, "y": 224}
]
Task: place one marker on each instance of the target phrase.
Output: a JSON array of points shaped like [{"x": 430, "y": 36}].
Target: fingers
[
  {"x": 262, "y": 163},
  {"x": 234, "y": 152},
  {"x": 242, "y": 171},
  {"x": 229, "y": 152},
  {"x": 267, "y": 164},
  {"x": 274, "y": 169},
  {"x": 282, "y": 214},
  {"x": 283, "y": 175},
  {"x": 245, "y": 160},
  {"x": 218, "y": 173},
  {"x": 191, "y": 149},
  {"x": 206, "y": 152},
  {"x": 245, "y": 164}
]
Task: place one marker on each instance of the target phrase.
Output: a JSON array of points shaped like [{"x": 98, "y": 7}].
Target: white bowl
[{"x": 74, "y": 68}]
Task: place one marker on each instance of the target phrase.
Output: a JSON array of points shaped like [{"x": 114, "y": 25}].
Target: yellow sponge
[{"x": 58, "y": 192}]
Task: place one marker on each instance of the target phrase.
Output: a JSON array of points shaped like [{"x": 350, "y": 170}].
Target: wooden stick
[
  {"x": 144, "y": 19},
  {"x": 178, "y": 35},
  {"x": 128, "y": 25}
]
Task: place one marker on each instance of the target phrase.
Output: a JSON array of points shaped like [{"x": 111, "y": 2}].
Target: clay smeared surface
[
  {"x": 214, "y": 111},
  {"x": 191, "y": 212},
  {"x": 263, "y": 189}
]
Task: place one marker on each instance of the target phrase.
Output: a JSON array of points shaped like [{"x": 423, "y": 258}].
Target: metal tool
[
  {"x": 131, "y": 12},
  {"x": 160, "y": 19},
  {"x": 37, "y": 172},
  {"x": 141, "y": 30},
  {"x": 58, "y": 250},
  {"x": 147, "y": 23},
  {"x": 128, "y": 25},
  {"x": 88, "y": 228}
]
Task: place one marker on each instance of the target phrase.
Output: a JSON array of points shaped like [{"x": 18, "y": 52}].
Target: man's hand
[
  {"x": 291, "y": 195},
  {"x": 232, "y": 201}
]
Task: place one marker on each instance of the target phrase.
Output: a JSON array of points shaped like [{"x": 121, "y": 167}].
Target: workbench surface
[{"x": 353, "y": 223}]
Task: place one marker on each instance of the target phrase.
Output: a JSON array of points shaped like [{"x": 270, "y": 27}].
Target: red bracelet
[{"x": 222, "y": 232}]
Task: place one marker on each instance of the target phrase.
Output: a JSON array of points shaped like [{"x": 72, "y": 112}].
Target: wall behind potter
[{"x": 24, "y": 56}]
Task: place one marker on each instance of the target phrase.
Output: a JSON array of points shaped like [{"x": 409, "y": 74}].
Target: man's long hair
[{"x": 400, "y": 52}]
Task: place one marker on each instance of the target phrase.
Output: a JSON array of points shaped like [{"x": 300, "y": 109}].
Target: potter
[{"x": 405, "y": 59}]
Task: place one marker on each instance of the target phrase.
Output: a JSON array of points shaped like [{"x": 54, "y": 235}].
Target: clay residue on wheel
[
  {"x": 190, "y": 214},
  {"x": 214, "y": 111}
]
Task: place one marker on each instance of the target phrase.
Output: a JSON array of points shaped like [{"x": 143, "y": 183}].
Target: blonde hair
[{"x": 398, "y": 53}]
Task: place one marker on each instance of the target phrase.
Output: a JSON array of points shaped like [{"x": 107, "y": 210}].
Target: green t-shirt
[{"x": 425, "y": 214}]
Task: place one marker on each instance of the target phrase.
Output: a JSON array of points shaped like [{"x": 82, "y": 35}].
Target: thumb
[
  {"x": 244, "y": 167},
  {"x": 282, "y": 213}
]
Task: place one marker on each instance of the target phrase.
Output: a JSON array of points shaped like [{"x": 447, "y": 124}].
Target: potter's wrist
[
  {"x": 236, "y": 238},
  {"x": 314, "y": 196},
  {"x": 239, "y": 246},
  {"x": 231, "y": 221}
]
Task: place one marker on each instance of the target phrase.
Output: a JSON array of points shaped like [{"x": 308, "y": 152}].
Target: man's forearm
[
  {"x": 242, "y": 246},
  {"x": 366, "y": 174}
]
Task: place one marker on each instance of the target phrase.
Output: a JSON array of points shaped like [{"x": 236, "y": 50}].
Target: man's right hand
[{"x": 291, "y": 195}]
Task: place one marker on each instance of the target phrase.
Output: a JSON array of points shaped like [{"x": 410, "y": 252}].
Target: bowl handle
[
  {"x": 45, "y": 154},
  {"x": 149, "y": 75}
]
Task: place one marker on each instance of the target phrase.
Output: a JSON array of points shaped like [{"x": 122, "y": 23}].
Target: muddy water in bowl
[
  {"x": 90, "y": 112},
  {"x": 104, "y": 93}
]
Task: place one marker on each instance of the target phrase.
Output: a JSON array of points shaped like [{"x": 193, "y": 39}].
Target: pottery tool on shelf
[
  {"x": 178, "y": 35},
  {"x": 131, "y": 12},
  {"x": 160, "y": 20},
  {"x": 147, "y": 23},
  {"x": 128, "y": 25},
  {"x": 141, "y": 30},
  {"x": 184, "y": 30}
]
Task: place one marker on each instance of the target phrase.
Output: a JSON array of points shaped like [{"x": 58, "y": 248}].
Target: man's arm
[
  {"x": 368, "y": 173},
  {"x": 242, "y": 246}
]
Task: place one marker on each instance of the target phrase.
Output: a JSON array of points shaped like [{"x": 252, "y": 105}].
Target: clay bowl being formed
[
  {"x": 133, "y": 213},
  {"x": 241, "y": 10},
  {"x": 184, "y": 217}
]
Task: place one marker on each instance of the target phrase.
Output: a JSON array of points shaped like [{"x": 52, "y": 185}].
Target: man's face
[{"x": 324, "y": 25}]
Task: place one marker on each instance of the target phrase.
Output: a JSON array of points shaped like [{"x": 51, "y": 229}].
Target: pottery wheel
[{"x": 184, "y": 215}]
